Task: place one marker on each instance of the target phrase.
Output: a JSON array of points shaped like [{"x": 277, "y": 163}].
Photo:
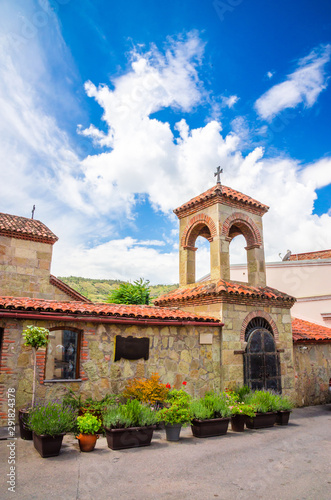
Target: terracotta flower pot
[
  {"x": 48, "y": 446},
  {"x": 87, "y": 442},
  {"x": 209, "y": 428}
]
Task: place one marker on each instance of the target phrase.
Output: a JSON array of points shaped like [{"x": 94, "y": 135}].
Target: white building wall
[{"x": 309, "y": 281}]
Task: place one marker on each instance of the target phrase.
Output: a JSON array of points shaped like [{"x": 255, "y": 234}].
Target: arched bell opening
[
  {"x": 195, "y": 250},
  {"x": 241, "y": 225},
  {"x": 238, "y": 259},
  {"x": 202, "y": 258},
  {"x": 261, "y": 359}
]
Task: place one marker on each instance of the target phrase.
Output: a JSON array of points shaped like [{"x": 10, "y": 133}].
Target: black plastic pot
[
  {"x": 262, "y": 420},
  {"x": 25, "y": 431},
  {"x": 238, "y": 423},
  {"x": 283, "y": 417},
  {"x": 173, "y": 431},
  {"x": 131, "y": 437},
  {"x": 48, "y": 446},
  {"x": 209, "y": 428}
]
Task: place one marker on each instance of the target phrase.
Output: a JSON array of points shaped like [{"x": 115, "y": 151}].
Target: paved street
[{"x": 283, "y": 463}]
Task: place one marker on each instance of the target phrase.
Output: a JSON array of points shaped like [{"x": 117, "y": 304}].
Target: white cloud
[
  {"x": 121, "y": 259},
  {"x": 230, "y": 101},
  {"x": 302, "y": 86},
  {"x": 318, "y": 174},
  {"x": 89, "y": 203}
]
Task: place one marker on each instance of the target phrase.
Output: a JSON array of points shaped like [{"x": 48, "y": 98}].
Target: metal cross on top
[{"x": 218, "y": 173}]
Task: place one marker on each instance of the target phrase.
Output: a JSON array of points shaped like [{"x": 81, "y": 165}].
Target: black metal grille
[
  {"x": 261, "y": 361},
  {"x": 257, "y": 322}
]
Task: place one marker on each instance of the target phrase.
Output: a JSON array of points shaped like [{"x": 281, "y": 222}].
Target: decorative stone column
[
  {"x": 256, "y": 265},
  {"x": 187, "y": 265}
]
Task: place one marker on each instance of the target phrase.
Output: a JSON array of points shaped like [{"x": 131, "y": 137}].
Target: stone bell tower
[
  {"x": 256, "y": 338},
  {"x": 220, "y": 214}
]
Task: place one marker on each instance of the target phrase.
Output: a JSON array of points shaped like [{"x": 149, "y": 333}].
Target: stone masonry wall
[
  {"x": 312, "y": 364},
  {"x": 233, "y": 345},
  {"x": 175, "y": 353},
  {"x": 25, "y": 269}
]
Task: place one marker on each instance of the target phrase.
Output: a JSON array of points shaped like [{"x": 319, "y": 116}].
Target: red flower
[
  {"x": 168, "y": 386},
  {"x": 184, "y": 383}
]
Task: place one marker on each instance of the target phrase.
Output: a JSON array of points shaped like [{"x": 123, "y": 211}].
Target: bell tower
[{"x": 220, "y": 214}]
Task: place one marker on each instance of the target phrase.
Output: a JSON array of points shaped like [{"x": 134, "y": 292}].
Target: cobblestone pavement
[{"x": 283, "y": 463}]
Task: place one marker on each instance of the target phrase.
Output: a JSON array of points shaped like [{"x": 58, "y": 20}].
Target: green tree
[
  {"x": 131, "y": 293},
  {"x": 35, "y": 337}
]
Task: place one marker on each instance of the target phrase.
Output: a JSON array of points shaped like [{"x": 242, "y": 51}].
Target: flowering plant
[
  {"x": 177, "y": 410},
  {"x": 51, "y": 419},
  {"x": 178, "y": 395},
  {"x": 239, "y": 407},
  {"x": 147, "y": 390}
]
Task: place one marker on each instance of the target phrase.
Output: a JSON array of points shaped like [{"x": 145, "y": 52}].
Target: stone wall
[
  {"x": 233, "y": 344},
  {"x": 312, "y": 363},
  {"x": 176, "y": 353},
  {"x": 25, "y": 269}
]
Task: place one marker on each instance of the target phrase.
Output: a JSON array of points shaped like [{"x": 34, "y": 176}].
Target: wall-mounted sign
[
  {"x": 131, "y": 348},
  {"x": 206, "y": 338}
]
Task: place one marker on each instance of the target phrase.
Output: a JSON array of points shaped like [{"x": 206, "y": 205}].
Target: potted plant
[
  {"x": 129, "y": 425},
  {"x": 88, "y": 426},
  {"x": 49, "y": 423},
  {"x": 284, "y": 408},
  {"x": 240, "y": 411},
  {"x": 35, "y": 337},
  {"x": 176, "y": 413},
  {"x": 147, "y": 390},
  {"x": 265, "y": 405},
  {"x": 211, "y": 415}
]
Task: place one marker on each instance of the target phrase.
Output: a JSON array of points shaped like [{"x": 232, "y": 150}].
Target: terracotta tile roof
[
  {"x": 67, "y": 289},
  {"x": 227, "y": 193},
  {"x": 304, "y": 331},
  {"x": 322, "y": 254},
  {"x": 100, "y": 310},
  {"x": 219, "y": 288},
  {"x": 26, "y": 229}
]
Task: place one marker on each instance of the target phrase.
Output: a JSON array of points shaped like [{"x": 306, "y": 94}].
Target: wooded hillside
[{"x": 98, "y": 290}]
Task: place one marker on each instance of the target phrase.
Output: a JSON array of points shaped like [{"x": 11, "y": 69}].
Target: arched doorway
[{"x": 261, "y": 359}]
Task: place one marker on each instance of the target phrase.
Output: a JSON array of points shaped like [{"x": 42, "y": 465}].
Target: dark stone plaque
[{"x": 131, "y": 348}]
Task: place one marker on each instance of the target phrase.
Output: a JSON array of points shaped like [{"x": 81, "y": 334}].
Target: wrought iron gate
[{"x": 261, "y": 361}]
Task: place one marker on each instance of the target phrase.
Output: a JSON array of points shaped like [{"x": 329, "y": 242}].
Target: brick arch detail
[
  {"x": 247, "y": 226},
  {"x": 259, "y": 314},
  {"x": 196, "y": 220}
]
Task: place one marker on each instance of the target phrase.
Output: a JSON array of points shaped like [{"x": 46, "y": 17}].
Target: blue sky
[{"x": 112, "y": 114}]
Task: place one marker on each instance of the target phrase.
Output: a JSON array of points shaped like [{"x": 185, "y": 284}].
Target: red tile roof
[
  {"x": 67, "y": 289},
  {"x": 220, "y": 193},
  {"x": 90, "y": 310},
  {"x": 304, "y": 331},
  {"x": 322, "y": 254},
  {"x": 222, "y": 288},
  {"x": 26, "y": 229}
]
